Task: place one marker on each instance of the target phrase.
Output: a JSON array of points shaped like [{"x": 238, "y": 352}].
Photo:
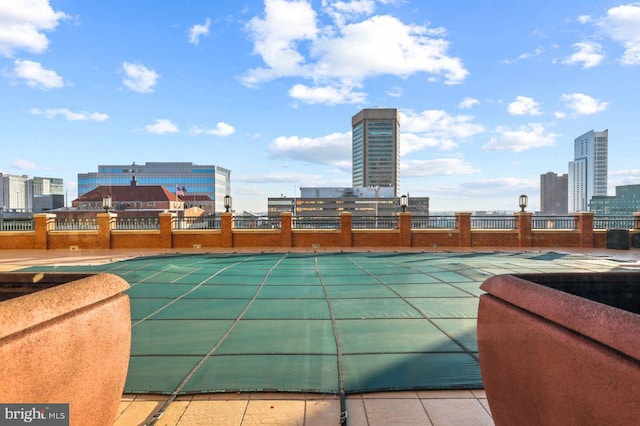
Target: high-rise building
[
  {"x": 187, "y": 180},
  {"x": 588, "y": 170},
  {"x": 554, "y": 193},
  {"x": 376, "y": 148},
  {"x": 626, "y": 202}
]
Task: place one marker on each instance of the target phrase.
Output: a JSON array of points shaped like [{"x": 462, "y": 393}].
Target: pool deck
[{"x": 413, "y": 408}]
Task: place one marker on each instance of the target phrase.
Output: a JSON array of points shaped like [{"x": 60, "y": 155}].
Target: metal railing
[
  {"x": 16, "y": 225},
  {"x": 613, "y": 222},
  {"x": 77, "y": 224},
  {"x": 553, "y": 222},
  {"x": 374, "y": 222},
  {"x": 317, "y": 222},
  {"x": 137, "y": 223},
  {"x": 196, "y": 222},
  {"x": 242, "y": 222},
  {"x": 493, "y": 222},
  {"x": 434, "y": 222}
]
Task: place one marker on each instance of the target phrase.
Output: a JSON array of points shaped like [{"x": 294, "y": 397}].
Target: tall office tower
[
  {"x": 376, "y": 148},
  {"x": 184, "y": 179},
  {"x": 588, "y": 170},
  {"x": 554, "y": 193}
]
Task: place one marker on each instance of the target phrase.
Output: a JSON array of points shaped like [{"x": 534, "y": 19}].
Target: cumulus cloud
[
  {"x": 23, "y": 23},
  {"x": 520, "y": 139},
  {"x": 436, "y": 167},
  {"x": 139, "y": 78},
  {"x": 36, "y": 76},
  {"x": 222, "y": 129},
  {"x": 338, "y": 57},
  {"x": 22, "y": 164},
  {"x": 589, "y": 54},
  {"x": 622, "y": 24},
  {"x": 333, "y": 149},
  {"x": 435, "y": 129},
  {"x": 524, "y": 105},
  {"x": 70, "y": 115},
  {"x": 467, "y": 103},
  {"x": 198, "y": 31},
  {"x": 161, "y": 126},
  {"x": 581, "y": 104}
]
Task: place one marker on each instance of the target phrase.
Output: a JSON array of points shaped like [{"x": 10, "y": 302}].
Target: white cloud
[
  {"x": 161, "y": 126},
  {"x": 22, "y": 164},
  {"x": 524, "y": 105},
  {"x": 622, "y": 24},
  {"x": 467, "y": 103},
  {"x": 436, "y": 167},
  {"x": 395, "y": 92},
  {"x": 583, "y": 19},
  {"x": 339, "y": 57},
  {"x": 198, "y": 31},
  {"x": 139, "y": 78},
  {"x": 37, "y": 76},
  {"x": 22, "y": 25},
  {"x": 70, "y": 115},
  {"x": 536, "y": 52},
  {"x": 326, "y": 95},
  {"x": 439, "y": 124},
  {"x": 222, "y": 129},
  {"x": 582, "y": 104},
  {"x": 333, "y": 149},
  {"x": 589, "y": 54},
  {"x": 533, "y": 135}
]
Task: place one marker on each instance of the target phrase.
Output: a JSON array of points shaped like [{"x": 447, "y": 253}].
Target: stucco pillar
[
  {"x": 585, "y": 228},
  {"x": 346, "y": 231},
  {"x": 286, "y": 235},
  {"x": 226, "y": 227},
  {"x": 464, "y": 228},
  {"x": 523, "y": 224},
  {"x": 404, "y": 224},
  {"x": 43, "y": 223},
  {"x": 106, "y": 223},
  {"x": 166, "y": 229}
]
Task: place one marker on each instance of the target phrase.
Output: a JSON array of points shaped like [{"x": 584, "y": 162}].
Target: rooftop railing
[
  {"x": 248, "y": 222},
  {"x": 493, "y": 222},
  {"x": 613, "y": 222},
  {"x": 319, "y": 222},
  {"x": 434, "y": 222},
  {"x": 554, "y": 222},
  {"x": 137, "y": 223},
  {"x": 16, "y": 224},
  {"x": 197, "y": 222},
  {"x": 76, "y": 224},
  {"x": 374, "y": 222}
]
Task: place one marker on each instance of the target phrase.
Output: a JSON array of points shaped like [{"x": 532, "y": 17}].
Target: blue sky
[{"x": 491, "y": 93}]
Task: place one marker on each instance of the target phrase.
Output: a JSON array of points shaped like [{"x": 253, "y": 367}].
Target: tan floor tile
[
  {"x": 391, "y": 395},
  {"x": 485, "y": 404},
  {"x": 457, "y": 412},
  {"x": 137, "y": 412},
  {"x": 322, "y": 412},
  {"x": 445, "y": 394},
  {"x": 277, "y": 395},
  {"x": 397, "y": 412},
  {"x": 356, "y": 415},
  {"x": 479, "y": 393},
  {"x": 224, "y": 396},
  {"x": 274, "y": 412},
  {"x": 218, "y": 413},
  {"x": 173, "y": 413}
]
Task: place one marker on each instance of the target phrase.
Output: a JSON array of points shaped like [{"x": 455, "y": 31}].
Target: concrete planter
[
  {"x": 65, "y": 338},
  {"x": 561, "y": 349}
]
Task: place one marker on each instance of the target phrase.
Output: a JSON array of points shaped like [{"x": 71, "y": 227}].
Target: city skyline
[{"x": 490, "y": 96}]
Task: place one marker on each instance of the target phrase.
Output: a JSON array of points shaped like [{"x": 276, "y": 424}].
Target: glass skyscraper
[
  {"x": 376, "y": 148},
  {"x": 183, "y": 179},
  {"x": 588, "y": 171}
]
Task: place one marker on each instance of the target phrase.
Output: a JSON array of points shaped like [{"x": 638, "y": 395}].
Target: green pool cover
[{"x": 312, "y": 322}]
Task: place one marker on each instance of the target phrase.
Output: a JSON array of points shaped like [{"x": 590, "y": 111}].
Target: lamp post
[
  {"x": 404, "y": 201},
  {"x": 523, "y": 202},
  {"x": 227, "y": 202},
  {"x": 106, "y": 203}
]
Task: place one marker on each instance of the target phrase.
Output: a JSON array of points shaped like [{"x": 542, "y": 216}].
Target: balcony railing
[
  {"x": 242, "y": 222},
  {"x": 307, "y": 222},
  {"x": 197, "y": 222},
  {"x": 613, "y": 222},
  {"x": 77, "y": 224},
  {"x": 493, "y": 222},
  {"x": 374, "y": 222},
  {"x": 553, "y": 222},
  {"x": 138, "y": 223},
  {"x": 434, "y": 222},
  {"x": 16, "y": 224}
]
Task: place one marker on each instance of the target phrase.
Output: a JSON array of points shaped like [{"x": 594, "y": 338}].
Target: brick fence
[{"x": 45, "y": 236}]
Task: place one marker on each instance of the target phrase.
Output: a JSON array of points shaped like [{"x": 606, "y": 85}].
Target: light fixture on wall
[
  {"x": 523, "y": 202},
  {"x": 106, "y": 203},
  {"x": 227, "y": 202},
  {"x": 404, "y": 201}
]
